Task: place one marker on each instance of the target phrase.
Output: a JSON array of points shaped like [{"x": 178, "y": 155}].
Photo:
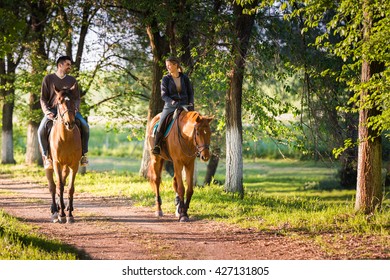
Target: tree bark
[
  {"x": 39, "y": 60},
  {"x": 369, "y": 191},
  {"x": 160, "y": 48},
  {"x": 212, "y": 167},
  {"x": 7, "y": 76},
  {"x": 234, "y": 162}
]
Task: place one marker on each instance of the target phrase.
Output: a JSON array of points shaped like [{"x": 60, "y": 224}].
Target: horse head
[
  {"x": 66, "y": 108},
  {"x": 202, "y": 136}
]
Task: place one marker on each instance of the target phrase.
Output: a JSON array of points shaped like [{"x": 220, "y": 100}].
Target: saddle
[
  {"x": 166, "y": 128},
  {"x": 167, "y": 125}
]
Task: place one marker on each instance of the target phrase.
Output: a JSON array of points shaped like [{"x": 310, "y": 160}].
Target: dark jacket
[{"x": 169, "y": 91}]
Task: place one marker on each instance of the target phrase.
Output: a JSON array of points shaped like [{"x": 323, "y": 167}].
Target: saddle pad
[{"x": 166, "y": 131}]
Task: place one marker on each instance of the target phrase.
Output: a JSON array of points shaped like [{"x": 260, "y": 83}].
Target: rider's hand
[
  {"x": 50, "y": 116},
  {"x": 174, "y": 103}
]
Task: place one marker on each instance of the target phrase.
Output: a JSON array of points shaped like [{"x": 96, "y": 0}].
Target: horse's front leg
[
  {"x": 178, "y": 186},
  {"x": 52, "y": 189},
  {"x": 155, "y": 169},
  {"x": 60, "y": 191},
  {"x": 70, "y": 218},
  {"x": 189, "y": 169}
]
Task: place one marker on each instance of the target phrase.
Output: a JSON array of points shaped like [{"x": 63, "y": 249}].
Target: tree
[
  {"x": 369, "y": 192},
  {"x": 39, "y": 14},
  {"x": 234, "y": 163},
  {"x": 364, "y": 31},
  {"x": 11, "y": 53}
]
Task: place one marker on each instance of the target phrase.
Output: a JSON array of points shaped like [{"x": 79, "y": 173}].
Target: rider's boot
[
  {"x": 157, "y": 149},
  {"x": 47, "y": 162}
]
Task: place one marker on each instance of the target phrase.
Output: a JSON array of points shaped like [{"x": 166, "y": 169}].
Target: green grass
[
  {"x": 19, "y": 242},
  {"x": 285, "y": 197}
]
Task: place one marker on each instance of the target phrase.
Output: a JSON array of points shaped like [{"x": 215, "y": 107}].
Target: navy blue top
[{"x": 169, "y": 91}]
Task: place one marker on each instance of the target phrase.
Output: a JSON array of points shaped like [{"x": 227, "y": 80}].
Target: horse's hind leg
[
  {"x": 155, "y": 169},
  {"x": 52, "y": 189}
]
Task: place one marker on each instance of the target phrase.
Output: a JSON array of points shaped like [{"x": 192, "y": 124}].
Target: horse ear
[
  {"x": 209, "y": 119},
  {"x": 56, "y": 90}
]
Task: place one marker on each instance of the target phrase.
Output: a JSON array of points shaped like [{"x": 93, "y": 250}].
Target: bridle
[
  {"x": 60, "y": 114},
  {"x": 198, "y": 148}
]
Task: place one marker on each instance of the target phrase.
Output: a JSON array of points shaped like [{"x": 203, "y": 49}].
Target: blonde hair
[{"x": 176, "y": 61}]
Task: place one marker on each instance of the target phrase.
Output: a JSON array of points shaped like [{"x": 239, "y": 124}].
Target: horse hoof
[
  {"x": 70, "y": 220},
  {"x": 62, "y": 220},
  {"x": 54, "y": 217},
  {"x": 159, "y": 213},
  {"x": 184, "y": 219}
]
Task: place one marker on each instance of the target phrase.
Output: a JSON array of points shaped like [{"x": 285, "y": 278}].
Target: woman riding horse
[{"x": 188, "y": 138}]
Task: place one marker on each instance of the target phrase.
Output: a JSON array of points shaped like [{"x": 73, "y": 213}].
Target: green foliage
[{"x": 345, "y": 23}]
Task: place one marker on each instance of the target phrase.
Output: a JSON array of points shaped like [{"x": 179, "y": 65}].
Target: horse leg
[
  {"x": 60, "y": 192},
  {"x": 70, "y": 218},
  {"x": 180, "y": 191},
  {"x": 177, "y": 198},
  {"x": 190, "y": 185},
  {"x": 155, "y": 169},
  {"x": 52, "y": 189}
]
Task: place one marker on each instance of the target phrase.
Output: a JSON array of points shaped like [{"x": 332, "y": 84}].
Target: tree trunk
[
  {"x": 212, "y": 167},
  {"x": 369, "y": 179},
  {"x": 234, "y": 162},
  {"x": 33, "y": 155},
  {"x": 39, "y": 61},
  {"x": 160, "y": 48},
  {"x": 7, "y": 146},
  {"x": 369, "y": 192}
]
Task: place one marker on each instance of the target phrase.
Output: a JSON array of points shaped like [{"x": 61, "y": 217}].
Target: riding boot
[{"x": 157, "y": 149}]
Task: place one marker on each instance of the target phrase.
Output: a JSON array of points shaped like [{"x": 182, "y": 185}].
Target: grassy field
[{"x": 286, "y": 197}]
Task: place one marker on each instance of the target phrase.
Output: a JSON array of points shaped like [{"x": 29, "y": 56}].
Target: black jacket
[{"x": 169, "y": 91}]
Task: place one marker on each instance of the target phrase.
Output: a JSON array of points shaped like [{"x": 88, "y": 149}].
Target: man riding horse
[{"x": 60, "y": 80}]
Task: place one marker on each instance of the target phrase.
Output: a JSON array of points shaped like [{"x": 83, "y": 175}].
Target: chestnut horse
[
  {"x": 188, "y": 138},
  {"x": 65, "y": 150}
]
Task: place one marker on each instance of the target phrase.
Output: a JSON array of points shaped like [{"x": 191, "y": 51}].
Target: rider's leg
[
  {"x": 84, "y": 138},
  {"x": 160, "y": 131},
  {"x": 43, "y": 142}
]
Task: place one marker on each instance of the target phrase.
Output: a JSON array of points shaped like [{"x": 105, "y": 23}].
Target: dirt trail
[{"x": 113, "y": 229}]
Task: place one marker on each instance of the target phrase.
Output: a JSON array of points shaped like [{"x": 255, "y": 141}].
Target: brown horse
[
  {"x": 189, "y": 137},
  {"x": 65, "y": 150}
]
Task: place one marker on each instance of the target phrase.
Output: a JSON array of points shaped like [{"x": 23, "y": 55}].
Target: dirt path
[{"x": 113, "y": 229}]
